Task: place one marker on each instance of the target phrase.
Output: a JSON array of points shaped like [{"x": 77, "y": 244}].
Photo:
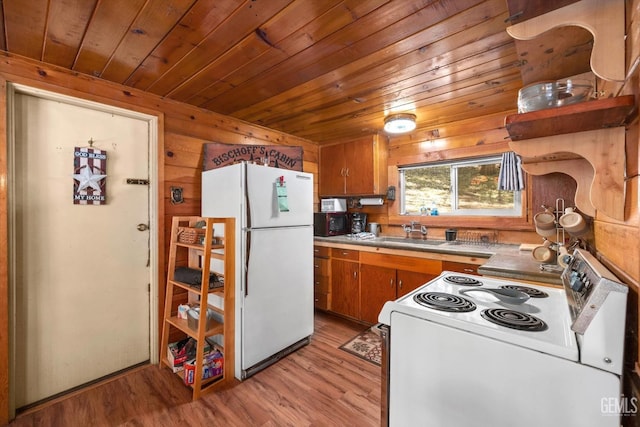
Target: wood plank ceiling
[{"x": 320, "y": 69}]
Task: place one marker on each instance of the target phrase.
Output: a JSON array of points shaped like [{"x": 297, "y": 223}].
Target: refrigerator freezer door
[
  {"x": 278, "y": 307},
  {"x": 262, "y": 197},
  {"x": 223, "y": 193}
]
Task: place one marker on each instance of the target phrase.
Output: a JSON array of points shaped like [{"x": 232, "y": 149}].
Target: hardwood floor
[{"x": 319, "y": 385}]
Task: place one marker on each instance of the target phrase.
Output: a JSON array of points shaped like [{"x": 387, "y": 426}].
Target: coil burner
[
  {"x": 444, "y": 302},
  {"x": 513, "y": 319}
]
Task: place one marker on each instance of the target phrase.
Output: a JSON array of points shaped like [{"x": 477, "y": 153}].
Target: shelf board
[
  {"x": 197, "y": 246},
  {"x": 195, "y": 289},
  {"x": 182, "y": 324},
  {"x": 589, "y": 115}
]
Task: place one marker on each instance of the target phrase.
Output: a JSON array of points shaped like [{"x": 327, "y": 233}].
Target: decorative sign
[
  {"x": 89, "y": 173},
  {"x": 217, "y": 155}
]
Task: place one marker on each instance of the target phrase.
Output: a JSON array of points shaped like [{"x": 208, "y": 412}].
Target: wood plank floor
[{"x": 319, "y": 385}]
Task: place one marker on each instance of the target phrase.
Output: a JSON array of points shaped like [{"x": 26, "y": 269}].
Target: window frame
[
  {"x": 454, "y": 166},
  {"x": 507, "y": 223}
]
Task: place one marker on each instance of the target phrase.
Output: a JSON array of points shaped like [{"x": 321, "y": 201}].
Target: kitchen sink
[{"x": 410, "y": 241}]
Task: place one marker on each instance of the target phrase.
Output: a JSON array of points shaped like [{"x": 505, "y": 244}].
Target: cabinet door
[
  {"x": 358, "y": 158},
  {"x": 377, "y": 286},
  {"x": 332, "y": 171},
  {"x": 345, "y": 291},
  {"x": 460, "y": 267},
  {"x": 411, "y": 280},
  {"x": 321, "y": 282}
]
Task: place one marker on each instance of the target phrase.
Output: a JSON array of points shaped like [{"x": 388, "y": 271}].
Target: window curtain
[{"x": 511, "y": 177}]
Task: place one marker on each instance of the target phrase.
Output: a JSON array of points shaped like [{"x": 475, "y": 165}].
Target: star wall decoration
[{"x": 86, "y": 178}]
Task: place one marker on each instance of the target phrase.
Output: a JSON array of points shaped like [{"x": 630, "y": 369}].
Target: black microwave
[{"x": 330, "y": 224}]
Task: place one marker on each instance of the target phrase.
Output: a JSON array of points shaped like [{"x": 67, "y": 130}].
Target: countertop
[{"x": 495, "y": 259}]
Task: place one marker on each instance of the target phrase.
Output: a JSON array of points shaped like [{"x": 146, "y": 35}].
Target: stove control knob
[
  {"x": 575, "y": 282},
  {"x": 567, "y": 259}
]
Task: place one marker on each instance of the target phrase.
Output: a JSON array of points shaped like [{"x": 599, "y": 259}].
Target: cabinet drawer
[
  {"x": 401, "y": 262},
  {"x": 321, "y": 251},
  {"x": 321, "y": 301},
  {"x": 459, "y": 267},
  {"x": 320, "y": 267},
  {"x": 321, "y": 284},
  {"x": 345, "y": 254}
]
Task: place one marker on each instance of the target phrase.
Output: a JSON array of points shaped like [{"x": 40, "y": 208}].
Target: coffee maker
[{"x": 357, "y": 222}]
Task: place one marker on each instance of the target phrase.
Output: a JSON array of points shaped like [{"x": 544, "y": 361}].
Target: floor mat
[{"x": 366, "y": 345}]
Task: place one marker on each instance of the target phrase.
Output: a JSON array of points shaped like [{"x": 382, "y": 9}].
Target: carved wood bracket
[
  {"x": 601, "y": 167},
  {"x": 603, "y": 18}
]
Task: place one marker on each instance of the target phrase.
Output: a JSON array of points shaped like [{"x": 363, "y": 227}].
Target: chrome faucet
[{"x": 415, "y": 227}]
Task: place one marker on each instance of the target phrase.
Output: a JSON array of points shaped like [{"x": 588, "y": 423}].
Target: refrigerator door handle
[
  {"x": 246, "y": 262},
  {"x": 246, "y": 197}
]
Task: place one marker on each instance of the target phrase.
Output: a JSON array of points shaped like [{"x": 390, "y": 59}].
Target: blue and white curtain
[{"x": 511, "y": 177}]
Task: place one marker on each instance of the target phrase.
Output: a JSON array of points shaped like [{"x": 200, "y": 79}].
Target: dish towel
[{"x": 511, "y": 177}]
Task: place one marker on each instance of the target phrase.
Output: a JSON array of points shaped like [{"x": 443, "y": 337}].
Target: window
[{"x": 467, "y": 187}]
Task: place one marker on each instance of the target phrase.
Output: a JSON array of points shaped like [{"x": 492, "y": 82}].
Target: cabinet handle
[
  {"x": 345, "y": 253},
  {"x": 346, "y": 172},
  {"x": 342, "y": 172},
  {"x": 469, "y": 270},
  {"x": 400, "y": 284},
  {"x": 391, "y": 282},
  {"x": 355, "y": 274},
  {"x": 316, "y": 266}
]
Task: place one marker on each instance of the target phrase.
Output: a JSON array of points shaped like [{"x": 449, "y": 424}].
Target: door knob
[{"x": 142, "y": 227}]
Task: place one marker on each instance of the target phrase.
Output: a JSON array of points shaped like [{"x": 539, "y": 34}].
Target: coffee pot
[{"x": 358, "y": 222}]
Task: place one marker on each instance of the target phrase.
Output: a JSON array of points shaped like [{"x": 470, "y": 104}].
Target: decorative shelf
[
  {"x": 602, "y": 18},
  {"x": 603, "y": 150},
  {"x": 593, "y": 133},
  {"x": 589, "y": 115}
]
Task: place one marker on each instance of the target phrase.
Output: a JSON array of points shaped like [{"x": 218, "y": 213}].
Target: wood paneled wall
[
  {"x": 481, "y": 136},
  {"x": 618, "y": 242},
  {"x": 183, "y": 131}
]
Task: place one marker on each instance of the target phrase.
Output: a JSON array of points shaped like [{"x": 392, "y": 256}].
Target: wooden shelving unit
[
  {"x": 585, "y": 141},
  {"x": 198, "y": 256}
]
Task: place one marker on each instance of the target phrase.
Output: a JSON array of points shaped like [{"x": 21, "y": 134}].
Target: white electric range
[{"x": 457, "y": 355}]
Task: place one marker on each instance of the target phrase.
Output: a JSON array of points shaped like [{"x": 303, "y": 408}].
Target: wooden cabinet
[
  {"x": 356, "y": 167},
  {"x": 360, "y": 282},
  {"x": 381, "y": 284},
  {"x": 192, "y": 246},
  {"x": 411, "y": 280},
  {"x": 388, "y": 277},
  {"x": 345, "y": 282},
  {"x": 460, "y": 267},
  {"x": 321, "y": 278},
  {"x": 378, "y": 287}
]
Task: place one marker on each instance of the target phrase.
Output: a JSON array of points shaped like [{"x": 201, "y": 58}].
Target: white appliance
[
  {"x": 460, "y": 359},
  {"x": 274, "y": 257},
  {"x": 333, "y": 205}
]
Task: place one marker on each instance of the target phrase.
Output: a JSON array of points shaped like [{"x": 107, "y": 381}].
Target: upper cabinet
[
  {"x": 584, "y": 140},
  {"x": 354, "y": 168}
]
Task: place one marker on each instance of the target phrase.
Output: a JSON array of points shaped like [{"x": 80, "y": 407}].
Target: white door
[{"x": 82, "y": 274}]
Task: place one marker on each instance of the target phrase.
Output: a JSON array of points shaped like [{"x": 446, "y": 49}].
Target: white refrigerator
[{"x": 274, "y": 257}]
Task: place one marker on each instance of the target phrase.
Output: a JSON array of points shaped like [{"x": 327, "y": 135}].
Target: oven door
[{"x": 444, "y": 376}]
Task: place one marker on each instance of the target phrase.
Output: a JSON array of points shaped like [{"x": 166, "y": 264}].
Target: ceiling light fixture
[{"x": 400, "y": 123}]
